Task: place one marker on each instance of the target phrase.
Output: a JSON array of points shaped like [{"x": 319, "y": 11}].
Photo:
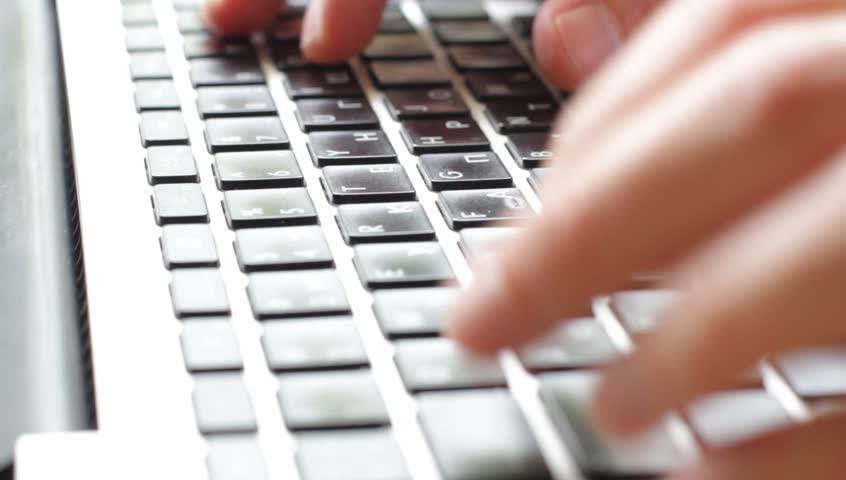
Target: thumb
[
  {"x": 241, "y": 17},
  {"x": 573, "y": 38},
  {"x": 335, "y": 30}
]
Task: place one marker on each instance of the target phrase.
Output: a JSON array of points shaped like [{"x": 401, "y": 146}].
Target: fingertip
[
  {"x": 240, "y": 17},
  {"x": 330, "y": 36},
  {"x": 555, "y": 65}
]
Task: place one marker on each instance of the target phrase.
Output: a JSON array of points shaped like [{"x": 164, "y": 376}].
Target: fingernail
[
  {"x": 589, "y": 35},
  {"x": 625, "y": 403},
  {"x": 313, "y": 25}
]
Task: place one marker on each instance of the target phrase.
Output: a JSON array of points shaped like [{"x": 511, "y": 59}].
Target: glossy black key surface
[
  {"x": 394, "y": 21},
  {"x": 480, "y": 434},
  {"x": 520, "y": 85},
  {"x": 521, "y": 116},
  {"x": 210, "y": 72},
  {"x": 235, "y": 457},
  {"x": 574, "y": 344},
  {"x": 469, "y": 33},
  {"x": 248, "y": 170},
  {"x": 188, "y": 246},
  {"x": 200, "y": 45},
  {"x": 727, "y": 418},
  {"x": 816, "y": 373},
  {"x": 335, "y": 114},
  {"x": 280, "y": 248},
  {"x": 407, "y": 74},
  {"x": 453, "y": 11},
  {"x": 413, "y": 312},
  {"x": 237, "y": 101},
  {"x": 443, "y": 135},
  {"x": 484, "y": 244},
  {"x": 163, "y": 128},
  {"x": 441, "y": 364},
  {"x": 367, "y": 184},
  {"x": 396, "y": 265},
  {"x": 295, "y": 294},
  {"x": 639, "y": 310},
  {"x": 537, "y": 176},
  {"x": 353, "y": 147},
  {"x": 474, "y": 208},
  {"x": 147, "y": 38},
  {"x": 371, "y": 454},
  {"x": 486, "y": 57},
  {"x": 198, "y": 292},
  {"x": 459, "y": 171},
  {"x": 288, "y": 30},
  {"x": 149, "y": 66},
  {"x": 523, "y": 25},
  {"x": 179, "y": 203},
  {"x": 268, "y": 207},
  {"x": 531, "y": 150},
  {"x": 156, "y": 95},
  {"x": 210, "y": 345},
  {"x": 313, "y": 344},
  {"x": 397, "y": 46},
  {"x": 138, "y": 14},
  {"x": 222, "y": 404},
  {"x": 322, "y": 83},
  {"x": 425, "y": 103},
  {"x": 245, "y": 134},
  {"x": 384, "y": 222},
  {"x": 568, "y": 397},
  {"x": 173, "y": 164},
  {"x": 322, "y": 400}
]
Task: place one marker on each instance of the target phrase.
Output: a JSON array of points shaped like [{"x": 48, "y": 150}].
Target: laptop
[{"x": 227, "y": 263}]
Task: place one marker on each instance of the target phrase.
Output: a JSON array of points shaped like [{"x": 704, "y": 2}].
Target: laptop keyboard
[{"x": 327, "y": 395}]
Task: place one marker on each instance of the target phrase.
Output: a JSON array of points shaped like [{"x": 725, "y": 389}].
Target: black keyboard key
[
  {"x": 483, "y": 244},
  {"x": 346, "y": 454},
  {"x": 322, "y": 83},
  {"x": 240, "y": 101},
  {"x": 575, "y": 344},
  {"x": 521, "y": 116},
  {"x": 198, "y": 292},
  {"x": 475, "y": 208},
  {"x": 288, "y": 30},
  {"x": 537, "y": 177},
  {"x": 521, "y": 85},
  {"x": 190, "y": 21},
  {"x": 347, "y": 148},
  {"x": 725, "y": 419},
  {"x": 222, "y": 404},
  {"x": 401, "y": 46},
  {"x": 281, "y": 248},
  {"x": 235, "y": 457},
  {"x": 469, "y": 33},
  {"x": 335, "y": 114},
  {"x": 461, "y": 171},
  {"x": 393, "y": 21},
  {"x": 313, "y": 344},
  {"x": 443, "y": 135},
  {"x": 322, "y": 400},
  {"x": 138, "y": 14},
  {"x": 289, "y": 56},
  {"x": 179, "y": 203},
  {"x": 454, "y": 11},
  {"x": 201, "y": 45},
  {"x": 523, "y": 26},
  {"x": 210, "y": 345},
  {"x": 249, "y": 170},
  {"x": 245, "y": 134},
  {"x": 531, "y": 150},
  {"x": 156, "y": 95},
  {"x": 367, "y": 184},
  {"x": 407, "y": 74},
  {"x": 384, "y": 222},
  {"x": 296, "y": 294},
  {"x": 480, "y": 434},
  {"x": 816, "y": 373},
  {"x": 163, "y": 128},
  {"x": 425, "y": 103},
  {"x": 568, "y": 397},
  {"x": 268, "y": 207},
  {"x": 486, "y": 57},
  {"x": 146, "y": 38},
  {"x": 149, "y": 66},
  {"x": 639, "y": 310},
  {"x": 171, "y": 165},
  {"x": 188, "y": 246},
  {"x": 441, "y": 364},
  {"x": 211, "y": 72},
  {"x": 397, "y": 265},
  {"x": 413, "y": 312}
]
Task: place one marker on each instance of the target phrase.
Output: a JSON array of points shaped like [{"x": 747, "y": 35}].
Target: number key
[
  {"x": 276, "y": 207},
  {"x": 248, "y": 170},
  {"x": 241, "y": 134}
]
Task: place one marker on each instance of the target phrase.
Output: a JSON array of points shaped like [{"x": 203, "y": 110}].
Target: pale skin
[{"x": 709, "y": 141}]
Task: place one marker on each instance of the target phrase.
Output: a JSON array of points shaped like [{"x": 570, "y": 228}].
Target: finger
[
  {"x": 335, "y": 30},
  {"x": 781, "y": 272},
  {"x": 659, "y": 185},
  {"x": 240, "y": 17},
  {"x": 814, "y": 450},
  {"x": 573, "y": 38}
]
